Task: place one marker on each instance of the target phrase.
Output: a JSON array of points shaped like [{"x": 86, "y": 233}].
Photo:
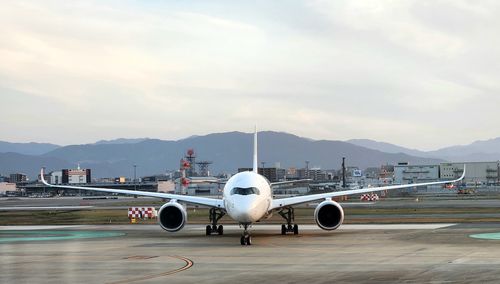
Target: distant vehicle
[
  {"x": 13, "y": 193},
  {"x": 466, "y": 191},
  {"x": 247, "y": 198},
  {"x": 449, "y": 186}
]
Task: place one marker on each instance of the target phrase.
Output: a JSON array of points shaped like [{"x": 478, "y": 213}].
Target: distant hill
[
  {"x": 488, "y": 150},
  {"x": 386, "y": 147},
  {"x": 483, "y": 150},
  {"x": 27, "y": 164},
  {"x": 27, "y": 148},
  {"x": 228, "y": 151},
  {"x": 121, "y": 141}
]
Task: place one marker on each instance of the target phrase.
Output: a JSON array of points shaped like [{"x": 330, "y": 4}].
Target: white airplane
[{"x": 247, "y": 198}]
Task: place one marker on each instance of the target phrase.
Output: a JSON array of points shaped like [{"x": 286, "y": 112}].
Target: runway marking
[
  {"x": 486, "y": 236},
  {"x": 44, "y": 208},
  {"x": 140, "y": 257},
  {"x": 34, "y": 236},
  {"x": 309, "y": 227},
  {"x": 189, "y": 264},
  {"x": 41, "y": 227}
]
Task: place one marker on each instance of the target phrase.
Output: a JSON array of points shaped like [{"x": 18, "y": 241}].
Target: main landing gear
[
  {"x": 215, "y": 215},
  {"x": 246, "y": 239},
  {"x": 289, "y": 215}
]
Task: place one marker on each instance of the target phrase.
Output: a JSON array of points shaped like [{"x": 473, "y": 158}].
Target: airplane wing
[
  {"x": 288, "y": 201},
  {"x": 211, "y": 202}
]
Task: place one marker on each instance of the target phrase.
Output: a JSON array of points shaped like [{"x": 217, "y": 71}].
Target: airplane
[{"x": 247, "y": 198}]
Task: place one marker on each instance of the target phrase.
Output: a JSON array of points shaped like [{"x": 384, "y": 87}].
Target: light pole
[{"x": 135, "y": 180}]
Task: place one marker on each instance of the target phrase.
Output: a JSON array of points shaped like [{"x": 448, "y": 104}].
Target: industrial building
[
  {"x": 405, "y": 173},
  {"x": 477, "y": 173},
  {"x": 199, "y": 186}
]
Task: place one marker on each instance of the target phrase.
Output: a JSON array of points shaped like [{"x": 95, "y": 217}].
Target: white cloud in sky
[{"x": 404, "y": 72}]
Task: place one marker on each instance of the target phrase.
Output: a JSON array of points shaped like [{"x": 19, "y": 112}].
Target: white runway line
[
  {"x": 342, "y": 227},
  {"x": 396, "y": 226}
]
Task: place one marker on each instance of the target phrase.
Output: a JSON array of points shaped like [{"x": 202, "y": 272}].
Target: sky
[{"x": 420, "y": 74}]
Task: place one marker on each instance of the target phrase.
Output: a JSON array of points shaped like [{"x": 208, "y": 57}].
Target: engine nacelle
[
  {"x": 329, "y": 215},
  {"x": 172, "y": 216}
]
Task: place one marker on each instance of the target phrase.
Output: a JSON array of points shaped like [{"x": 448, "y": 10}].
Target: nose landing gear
[{"x": 246, "y": 239}]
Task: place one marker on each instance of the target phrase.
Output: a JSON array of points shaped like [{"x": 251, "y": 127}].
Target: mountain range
[
  {"x": 27, "y": 148},
  {"x": 483, "y": 150},
  {"x": 228, "y": 151}
]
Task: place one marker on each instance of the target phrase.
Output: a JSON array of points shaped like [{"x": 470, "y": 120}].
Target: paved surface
[{"x": 355, "y": 253}]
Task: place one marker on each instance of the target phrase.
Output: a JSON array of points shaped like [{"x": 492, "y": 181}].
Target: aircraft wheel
[
  {"x": 220, "y": 230},
  {"x": 243, "y": 240},
  {"x": 283, "y": 229},
  {"x": 249, "y": 240},
  {"x": 295, "y": 229},
  {"x": 209, "y": 230}
]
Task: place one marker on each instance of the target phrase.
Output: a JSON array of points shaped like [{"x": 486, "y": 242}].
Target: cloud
[{"x": 334, "y": 70}]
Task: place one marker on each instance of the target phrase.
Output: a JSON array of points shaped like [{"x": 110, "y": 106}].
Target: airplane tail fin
[{"x": 255, "y": 161}]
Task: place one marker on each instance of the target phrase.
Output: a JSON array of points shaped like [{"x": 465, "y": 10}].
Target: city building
[
  {"x": 477, "y": 173},
  {"x": 292, "y": 173},
  {"x": 18, "y": 178},
  {"x": 272, "y": 174},
  {"x": 76, "y": 176},
  {"x": 372, "y": 173},
  {"x": 405, "y": 173},
  {"x": 317, "y": 174},
  {"x": 55, "y": 177},
  {"x": 6, "y": 187},
  {"x": 387, "y": 172}
]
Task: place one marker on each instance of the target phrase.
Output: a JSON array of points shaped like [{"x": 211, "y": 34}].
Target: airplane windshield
[{"x": 245, "y": 191}]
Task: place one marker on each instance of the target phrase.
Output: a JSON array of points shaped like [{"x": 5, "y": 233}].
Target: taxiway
[{"x": 414, "y": 253}]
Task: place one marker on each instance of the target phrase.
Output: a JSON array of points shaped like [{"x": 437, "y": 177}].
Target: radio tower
[{"x": 203, "y": 166}]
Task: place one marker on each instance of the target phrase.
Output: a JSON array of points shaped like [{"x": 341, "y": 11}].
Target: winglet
[
  {"x": 255, "y": 161},
  {"x": 460, "y": 178},
  {"x": 42, "y": 178},
  {"x": 463, "y": 174}
]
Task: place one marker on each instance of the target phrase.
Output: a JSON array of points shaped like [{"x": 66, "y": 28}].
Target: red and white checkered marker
[
  {"x": 142, "y": 212},
  {"x": 369, "y": 197}
]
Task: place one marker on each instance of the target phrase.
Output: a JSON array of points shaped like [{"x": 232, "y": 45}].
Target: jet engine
[
  {"x": 329, "y": 215},
  {"x": 172, "y": 216}
]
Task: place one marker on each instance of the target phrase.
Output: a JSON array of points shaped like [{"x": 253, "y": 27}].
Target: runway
[{"x": 412, "y": 253}]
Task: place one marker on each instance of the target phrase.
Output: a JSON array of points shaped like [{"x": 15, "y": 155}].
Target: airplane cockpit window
[{"x": 245, "y": 191}]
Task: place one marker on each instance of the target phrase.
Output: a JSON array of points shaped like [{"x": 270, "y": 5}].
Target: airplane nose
[{"x": 245, "y": 211}]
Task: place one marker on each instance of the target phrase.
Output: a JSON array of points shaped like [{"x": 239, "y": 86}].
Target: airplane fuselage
[{"x": 247, "y": 197}]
